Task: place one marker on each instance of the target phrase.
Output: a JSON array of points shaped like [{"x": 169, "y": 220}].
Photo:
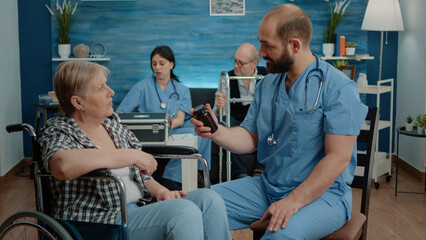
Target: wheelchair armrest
[
  {"x": 169, "y": 149},
  {"x": 179, "y": 151},
  {"x": 98, "y": 173}
]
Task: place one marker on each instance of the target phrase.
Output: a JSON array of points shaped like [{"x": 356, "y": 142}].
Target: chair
[
  {"x": 84, "y": 230},
  {"x": 356, "y": 228}
]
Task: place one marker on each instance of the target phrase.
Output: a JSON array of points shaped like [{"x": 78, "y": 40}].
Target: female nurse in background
[{"x": 163, "y": 92}]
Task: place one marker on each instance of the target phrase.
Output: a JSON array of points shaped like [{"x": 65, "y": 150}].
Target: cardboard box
[{"x": 149, "y": 128}]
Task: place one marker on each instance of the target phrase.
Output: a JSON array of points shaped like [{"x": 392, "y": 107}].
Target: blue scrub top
[
  {"x": 300, "y": 135},
  {"x": 143, "y": 98}
]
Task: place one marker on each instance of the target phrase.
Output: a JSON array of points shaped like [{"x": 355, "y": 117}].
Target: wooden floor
[{"x": 390, "y": 217}]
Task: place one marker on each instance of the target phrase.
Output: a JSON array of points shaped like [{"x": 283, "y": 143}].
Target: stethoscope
[
  {"x": 162, "y": 104},
  {"x": 271, "y": 140}
]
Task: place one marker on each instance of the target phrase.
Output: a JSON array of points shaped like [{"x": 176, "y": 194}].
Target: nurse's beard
[{"x": 284, "y": 64}]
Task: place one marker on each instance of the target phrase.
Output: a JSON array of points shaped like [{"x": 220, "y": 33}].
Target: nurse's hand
[
  {"x": 280, "y": 212},
  {"x": 199, "y": 128},
  {"x": 178, "y": 121},
  {"x": 171, "y": 123}
]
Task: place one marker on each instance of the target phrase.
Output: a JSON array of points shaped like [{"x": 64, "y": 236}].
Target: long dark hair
[{"x": 167, "y": 53}]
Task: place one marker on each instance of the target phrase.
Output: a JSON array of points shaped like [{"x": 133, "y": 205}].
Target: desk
[
  {"x": 44, "y": 110},
  {"x": 401, "y": 130}
]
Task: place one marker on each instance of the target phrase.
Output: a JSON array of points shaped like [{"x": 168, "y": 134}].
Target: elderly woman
[
  {"x": 84, "y": 139},
  {"x": 162, "y": 92}
]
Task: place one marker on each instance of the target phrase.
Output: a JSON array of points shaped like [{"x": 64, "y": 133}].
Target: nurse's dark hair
[
  {"x": 167, "y": 53},
  {"x": 73, "y": 78},
  {"x": 292, "y": 22}
]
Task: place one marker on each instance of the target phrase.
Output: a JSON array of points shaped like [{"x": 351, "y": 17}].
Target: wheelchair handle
[{"x": 20, "y": 127}]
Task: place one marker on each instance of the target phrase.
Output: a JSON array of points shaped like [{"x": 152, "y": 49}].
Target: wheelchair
[{"x": 39, "y": 225}]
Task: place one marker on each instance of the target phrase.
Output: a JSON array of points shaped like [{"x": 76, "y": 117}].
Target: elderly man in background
[{"x": 245, "y": 60}]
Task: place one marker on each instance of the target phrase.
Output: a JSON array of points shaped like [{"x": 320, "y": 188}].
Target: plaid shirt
[{"x": 86, "y": 200}]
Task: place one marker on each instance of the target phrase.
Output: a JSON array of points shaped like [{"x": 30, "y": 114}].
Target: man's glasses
[{"x": 241, "y": 63}]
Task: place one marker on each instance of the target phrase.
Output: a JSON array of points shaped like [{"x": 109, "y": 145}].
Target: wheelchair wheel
[{"x": 32, "y": 225}]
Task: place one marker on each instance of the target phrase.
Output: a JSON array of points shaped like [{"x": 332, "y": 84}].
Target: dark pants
[{"x": 243, "y": 163}]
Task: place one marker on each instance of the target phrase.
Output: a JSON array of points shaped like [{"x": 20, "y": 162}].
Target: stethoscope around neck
[
  {"x": 271, "y": 140},
  {"x": 162, "y": 104}
]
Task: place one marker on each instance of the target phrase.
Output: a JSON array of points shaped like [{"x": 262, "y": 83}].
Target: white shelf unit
[
  {"x": 80, "y": 59},
  {"x": 356, "y": 58},
  {"x": 383, "y": 161}
]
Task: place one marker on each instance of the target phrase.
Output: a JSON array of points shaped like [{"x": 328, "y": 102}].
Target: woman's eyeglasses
[{"x": 241, "y": 63}]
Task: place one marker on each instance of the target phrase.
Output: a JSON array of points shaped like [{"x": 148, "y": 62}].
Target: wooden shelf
[
  {"x": 80, "y": 59},
  {"x": 348, "y": 58}
]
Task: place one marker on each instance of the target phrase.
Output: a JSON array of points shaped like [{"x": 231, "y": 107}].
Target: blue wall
[
  {"x": 203, "y": 44},
  {"x": 35, "y": 58}
]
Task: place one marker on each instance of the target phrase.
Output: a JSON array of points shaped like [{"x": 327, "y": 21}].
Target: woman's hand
[
  {"x": 160, "y": 192},
  {"x": 171, "y": 195},
  {"x": 146, "y": 163}
]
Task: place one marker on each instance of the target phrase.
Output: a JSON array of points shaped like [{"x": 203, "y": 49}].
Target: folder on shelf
[
  {"x": 342, "y": 42},
  {"x": 337, "y": 45}
]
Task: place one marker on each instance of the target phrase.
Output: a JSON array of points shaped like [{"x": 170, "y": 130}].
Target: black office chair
[
  {"x": 356, "y": 228},
  {"x": 84, "y": 230}
]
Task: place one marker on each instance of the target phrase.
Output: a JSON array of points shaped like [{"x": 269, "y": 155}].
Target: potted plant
[
  {"x": 336, "y": 16},
  {"x": 350, "y": 48},
  {"x": 421, "y": 122},
  {"x": 340, "y": 63},
  {"x": 409, "y": 123},
  {"x": 66, "y": 17}
]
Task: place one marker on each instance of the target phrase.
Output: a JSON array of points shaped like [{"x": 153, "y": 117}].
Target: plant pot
[
  {"x": 328, "y": 49},
  {"x": 419, "y": 130},
  {"x": 64, "y": 50},
  {"x": 350, "y": 51},
  {"x": 409, "y": 127}
]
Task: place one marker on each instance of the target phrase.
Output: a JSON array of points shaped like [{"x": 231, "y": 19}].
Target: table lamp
[{"x": 382, "y": 15}]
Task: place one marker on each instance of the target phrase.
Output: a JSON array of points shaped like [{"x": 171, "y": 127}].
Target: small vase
[
  {"x": 362, "y": 81},
  {"x": 81, "y": 51},
  {"x": 328, "y": 49},
  {"x": 419, "y": 130},
  {"x": 409, "y": 127},
  {"x": 350, "y": 51},
  {"x": 64, "y": 50}
]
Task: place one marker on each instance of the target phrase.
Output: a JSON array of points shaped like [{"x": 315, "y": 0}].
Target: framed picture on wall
[
  {"x": 348, "y": 71},
  {"x": 227, "y": 7}
]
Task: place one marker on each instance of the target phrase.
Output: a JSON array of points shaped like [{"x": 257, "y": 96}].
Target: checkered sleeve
[{"x": 53, "y": 140}]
